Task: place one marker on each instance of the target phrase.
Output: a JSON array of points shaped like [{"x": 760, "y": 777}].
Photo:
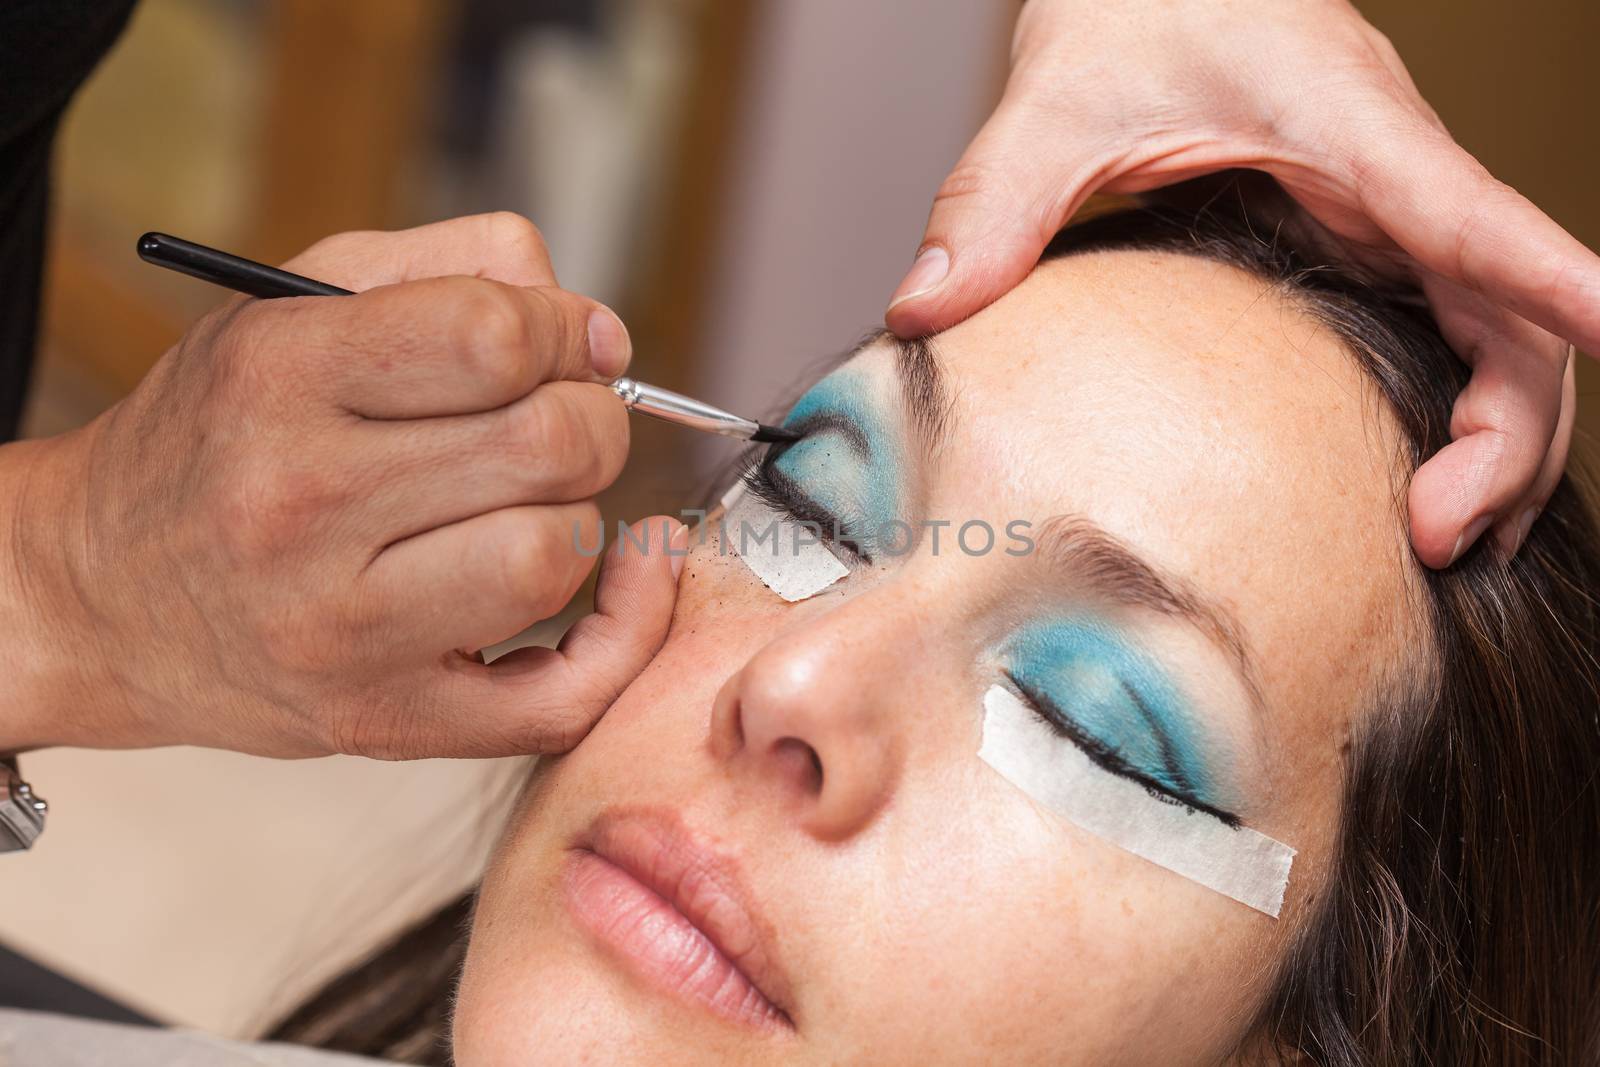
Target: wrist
[{"x": 56, "y": 689}]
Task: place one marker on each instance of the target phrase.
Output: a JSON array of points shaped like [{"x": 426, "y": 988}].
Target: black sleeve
[{"x": 47, "y": 49}]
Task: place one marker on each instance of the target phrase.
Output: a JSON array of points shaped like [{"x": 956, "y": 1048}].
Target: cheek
[
  {"x": 722, "y": 614},
  {"x": 1144, "y": 964},
  {"x": 718, "y": 592},
  {"x": 976, "y": 928}
]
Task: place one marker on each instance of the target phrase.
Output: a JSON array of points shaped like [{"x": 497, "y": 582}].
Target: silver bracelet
[{"x": 21, "y": 813}]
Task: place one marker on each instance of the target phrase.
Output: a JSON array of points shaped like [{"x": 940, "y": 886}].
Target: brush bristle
[{"x": 773, "y": 434}]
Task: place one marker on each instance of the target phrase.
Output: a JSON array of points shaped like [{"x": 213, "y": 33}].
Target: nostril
[{"x": 800, "y": 761}]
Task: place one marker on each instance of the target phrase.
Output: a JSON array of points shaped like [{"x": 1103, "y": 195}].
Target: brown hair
[{"x": 1461, "y": 924}]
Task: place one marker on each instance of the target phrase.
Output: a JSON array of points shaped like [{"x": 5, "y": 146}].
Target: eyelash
[
  {"x": 1107, "y": 758},
  {"x": 782, "y": 493}
]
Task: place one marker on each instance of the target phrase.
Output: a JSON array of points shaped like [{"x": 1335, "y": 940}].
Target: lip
[{"x": 677, "y": 915}]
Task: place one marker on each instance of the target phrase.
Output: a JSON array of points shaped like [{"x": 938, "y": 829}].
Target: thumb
[
  {"x": 1511, "y": 427},
  {"x": 991, "y": 219},
  {"x": 548, "y": 698}
]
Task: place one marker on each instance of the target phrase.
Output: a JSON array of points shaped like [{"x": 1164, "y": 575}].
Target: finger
[
  {"x": 553, "y": 696},
  {"x": 1512, "y": 531},
  {"x": 1439, "y": 204},
  {"x": 563, "y": 442},
  {"x": 440, "y": 346},
  {"x": 499, "y": 245},
  {"x": 1503, "y": 424},
  {"x": 991, "y": 219},
  {"x": 475, "y": 583},
  {"x": 546, "y": 700}
]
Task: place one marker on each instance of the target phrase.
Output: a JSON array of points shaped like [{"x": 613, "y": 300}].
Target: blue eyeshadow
[
  {"x": 848, "y": 462},
  {"x": 1115, "y": 697}
]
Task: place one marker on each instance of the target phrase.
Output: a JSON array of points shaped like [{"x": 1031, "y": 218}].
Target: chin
[{"x": 568, "y": 1013}]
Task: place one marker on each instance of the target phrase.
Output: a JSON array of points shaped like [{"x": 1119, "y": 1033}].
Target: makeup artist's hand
[
  {"x": 1129, "y": 96},
  {"x": 282, "y": 541}
]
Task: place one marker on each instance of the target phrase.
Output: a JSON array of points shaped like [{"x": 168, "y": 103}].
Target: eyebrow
[
  {"x": 1116, "y": 573},
  {"x": 923, "y": 392},
  {"x": 1075, "y": 543}
]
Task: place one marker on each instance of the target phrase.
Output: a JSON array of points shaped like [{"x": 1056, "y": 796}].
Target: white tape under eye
[
  {"x": 1233, "y": 860},
  {"x": 786, "y": 556}
]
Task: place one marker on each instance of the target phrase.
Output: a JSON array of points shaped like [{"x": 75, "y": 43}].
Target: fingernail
[
  {"x": 678, "y": 550},
  {"x": 930, "y": 268},
  {"x": 1470, "y": 535},
  {"x": 1524, "y": 524},
  {"x": 1510, "y": 535},
  {"x": 609, "y": 347}
]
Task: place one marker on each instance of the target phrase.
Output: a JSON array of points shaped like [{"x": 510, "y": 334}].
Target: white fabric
[{"x": 39, "y": 1039}]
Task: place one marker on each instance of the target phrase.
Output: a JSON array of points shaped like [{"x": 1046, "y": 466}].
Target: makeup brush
[
  {"x": 269, "y": 283},
  {"x": 695, "y": 414}
]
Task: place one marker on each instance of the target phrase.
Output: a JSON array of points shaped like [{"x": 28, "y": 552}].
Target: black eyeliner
[
  {"x": 1168, "y": 757},
  {"x": 1108, "y": 759},
  {"x": 782, "y": 492},
  {"x": 828, "y": 422}
]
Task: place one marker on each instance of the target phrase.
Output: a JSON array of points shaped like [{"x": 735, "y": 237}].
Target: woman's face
[{"x": 781, "y": 845}]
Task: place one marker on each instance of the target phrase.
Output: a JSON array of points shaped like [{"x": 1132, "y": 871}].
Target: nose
[{"x": 812, "y": 716}]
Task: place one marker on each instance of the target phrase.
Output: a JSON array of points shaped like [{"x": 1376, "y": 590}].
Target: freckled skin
[{"x": 923, "y": 910}]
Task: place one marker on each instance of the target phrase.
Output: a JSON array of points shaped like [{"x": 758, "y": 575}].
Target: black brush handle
[{"x": 231, "y": 272}]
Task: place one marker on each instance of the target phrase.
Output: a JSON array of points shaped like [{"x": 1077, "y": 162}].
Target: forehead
[{"x": 1215, "y": 427}]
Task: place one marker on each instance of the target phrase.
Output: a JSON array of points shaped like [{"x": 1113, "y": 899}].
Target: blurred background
[{"x": 743, "y": 180}]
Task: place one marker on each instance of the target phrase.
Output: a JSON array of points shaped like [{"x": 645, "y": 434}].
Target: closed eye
[
  {"x": 783, "y": 493},
  {"x": 1109, "y": 758}
]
